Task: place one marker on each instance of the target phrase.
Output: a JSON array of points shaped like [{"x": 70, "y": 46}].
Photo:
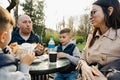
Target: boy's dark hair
[
  {"x": 65, "y": 30},
  {"x": 5, "y": 19}
]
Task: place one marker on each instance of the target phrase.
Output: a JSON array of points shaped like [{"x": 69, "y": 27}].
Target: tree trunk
[{"x": 16, "y": 11}]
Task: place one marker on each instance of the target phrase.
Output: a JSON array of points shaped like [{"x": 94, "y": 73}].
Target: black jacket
[
  {"x": 34, "y": 38},
  {"x": 68, "y": 50}
]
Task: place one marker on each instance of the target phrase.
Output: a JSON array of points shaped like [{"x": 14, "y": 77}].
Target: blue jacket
[
  {"x": 6, "y": 60},
  {"x": 34, "y": 38},
  {"x": 8, "y": 68}
]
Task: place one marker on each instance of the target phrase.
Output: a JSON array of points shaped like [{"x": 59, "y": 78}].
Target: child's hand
[
  {"x": 27, "y": 58},
  {"x": 61, "y": 55},
  {"x": 14, "y": 47}
]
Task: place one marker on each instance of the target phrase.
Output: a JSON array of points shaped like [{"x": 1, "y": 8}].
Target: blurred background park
[{"x": 50, "y": 16}]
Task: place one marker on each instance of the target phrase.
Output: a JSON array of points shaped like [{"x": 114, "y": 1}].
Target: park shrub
[
  {"x": 47, "y": 38},
  {"x": 79, "y": 39}
]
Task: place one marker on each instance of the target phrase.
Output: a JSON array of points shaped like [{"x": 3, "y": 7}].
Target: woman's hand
[
  {"x": 88, "y": 73},
  {"x": 100, "y": 76}
]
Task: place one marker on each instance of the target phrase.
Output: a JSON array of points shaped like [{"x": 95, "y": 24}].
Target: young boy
[
  {"x": 7, "y": 62},
  {"x": 67, "y": 49}
]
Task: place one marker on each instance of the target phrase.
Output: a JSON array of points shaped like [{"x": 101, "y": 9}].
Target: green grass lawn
[{"x": 81, "y": 46}]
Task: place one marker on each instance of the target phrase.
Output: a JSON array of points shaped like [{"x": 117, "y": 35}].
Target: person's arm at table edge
[
  {"x": 76, "y": 56},
  {"x": 25, "y": 70}
]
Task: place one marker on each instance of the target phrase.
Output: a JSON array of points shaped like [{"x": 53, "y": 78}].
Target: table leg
[
  {"x": 44, "y": 77},
  {"x": 39, "y": 77},
  {"x": 33, "y": 77}
]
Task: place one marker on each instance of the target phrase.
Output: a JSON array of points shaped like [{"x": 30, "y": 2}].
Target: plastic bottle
[{"x": 51, "y": 45}]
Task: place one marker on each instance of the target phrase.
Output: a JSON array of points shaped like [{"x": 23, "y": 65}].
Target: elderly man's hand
[
  {"x": 39, "y": 49},
  {"x": 14, "y": 47}
]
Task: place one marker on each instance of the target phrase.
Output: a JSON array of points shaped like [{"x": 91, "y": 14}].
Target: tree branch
[{"x": 12, "y": 5}]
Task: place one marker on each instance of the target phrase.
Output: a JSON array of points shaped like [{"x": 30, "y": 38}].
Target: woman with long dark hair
[{"x": 103, "y": 45}]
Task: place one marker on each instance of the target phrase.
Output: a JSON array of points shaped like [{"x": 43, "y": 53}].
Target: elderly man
[{"x": 23, "y": 33}]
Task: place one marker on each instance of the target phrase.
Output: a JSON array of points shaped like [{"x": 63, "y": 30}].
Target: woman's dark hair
[{"x": 111, "y": 21}]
